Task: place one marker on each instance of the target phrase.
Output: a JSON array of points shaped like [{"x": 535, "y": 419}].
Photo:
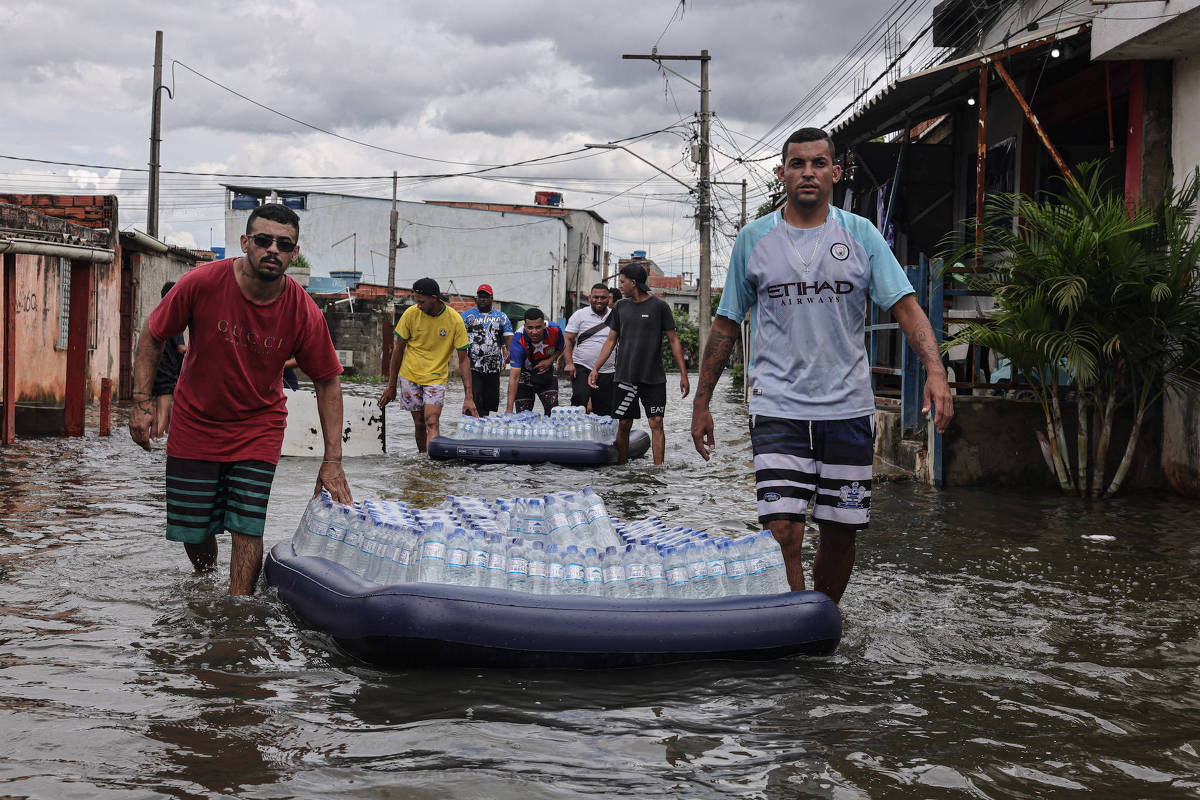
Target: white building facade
[{"x": 522, "y": 255}]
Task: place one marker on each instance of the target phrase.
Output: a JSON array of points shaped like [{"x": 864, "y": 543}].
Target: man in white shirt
[{"x": 585, "y": 333}]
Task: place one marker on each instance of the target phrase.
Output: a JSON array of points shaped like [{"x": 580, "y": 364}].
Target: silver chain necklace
[{"x": 807, "y": 263}]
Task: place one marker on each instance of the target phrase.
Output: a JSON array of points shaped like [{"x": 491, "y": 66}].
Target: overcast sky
[{"x": 453, "y": 84}]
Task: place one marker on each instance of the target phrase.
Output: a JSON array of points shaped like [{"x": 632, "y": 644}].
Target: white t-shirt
[{"x": 588, "y": 351}]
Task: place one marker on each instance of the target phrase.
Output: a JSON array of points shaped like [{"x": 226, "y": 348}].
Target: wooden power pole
[{"x": 704, "y": 202}]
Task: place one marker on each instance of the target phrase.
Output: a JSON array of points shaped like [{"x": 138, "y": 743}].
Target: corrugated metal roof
[{"x": 926, "y": 94}]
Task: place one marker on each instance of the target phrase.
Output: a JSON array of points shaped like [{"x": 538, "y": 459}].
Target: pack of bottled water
[
  {"x": 562, "y": 543},
  {"x": 565, "y": 423}
]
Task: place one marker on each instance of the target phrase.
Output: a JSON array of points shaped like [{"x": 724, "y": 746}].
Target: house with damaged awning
[
  {"x": 1023, "y": 93},
  {"x": 74, "y": 294}
]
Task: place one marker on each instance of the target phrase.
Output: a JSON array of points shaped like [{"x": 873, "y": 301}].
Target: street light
[{"x": 691, "y": 189}]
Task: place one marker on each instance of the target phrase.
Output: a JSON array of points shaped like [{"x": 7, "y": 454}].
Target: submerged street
[{"x": 998, "y": 644}]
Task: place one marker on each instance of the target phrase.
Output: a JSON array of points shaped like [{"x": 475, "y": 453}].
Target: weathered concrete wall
[
  {"x": 151, "y": 271},
  {"x": 362, "y": 333},
  {"x": 993, "y": 442},
  {"x": 1181, "y": 416}
]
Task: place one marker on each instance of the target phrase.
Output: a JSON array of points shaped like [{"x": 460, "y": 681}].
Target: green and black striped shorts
[{"x": 207, "y": 497}]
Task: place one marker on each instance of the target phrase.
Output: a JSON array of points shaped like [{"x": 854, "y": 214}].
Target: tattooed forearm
[
  {"x": 919, "y": 334},
  {"x": 716, "y": 353}
]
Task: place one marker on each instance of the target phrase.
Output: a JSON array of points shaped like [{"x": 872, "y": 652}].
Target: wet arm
[
  {"x": 141, "y": 416},
  {"x": 920, "y": 337},
  {"x": 329, "y": 409}
]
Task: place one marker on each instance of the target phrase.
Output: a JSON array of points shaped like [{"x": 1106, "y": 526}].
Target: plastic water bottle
[
  {"x": 634, "y": 562},
  {"x": 516, "y": 519},
  {"x": 656, "y": 580},
  {"x": 735, "y": 568},
  {"x": 537, "y": 568},
  {"x": 431, "y": 560},
  {"x": 478, "y": 557},
  {"x": 573, "y": 573},
  {"x": 456, "y": 558},
  {"x": 554, "y": 569},
  {"x": 556, "y": 525},
  {"x": 756, "y": 564},
  {"x": 516, "y": 565},
  {"x": 495, "y": 575},
  {"x": 534, "y": 522},
  {"x": 581, "y": 529},
  {"x": 399, "y": 555},
  {"x": 675, "y": 571},
  {"x": 776, "y": 581},
  {"x": 593, "y": 575},
  {"x": 615, "y": 583},
  {"x": 314, "y": 538},
  {"x": 700, "y": 583},
  {"x": 601, "y": 524}
]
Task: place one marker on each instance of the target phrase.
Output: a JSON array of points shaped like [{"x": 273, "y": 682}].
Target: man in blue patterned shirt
[{"x": 489, "y": 334}]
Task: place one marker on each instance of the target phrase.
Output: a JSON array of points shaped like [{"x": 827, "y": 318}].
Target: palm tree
[{"x": 1108, "y": 291}]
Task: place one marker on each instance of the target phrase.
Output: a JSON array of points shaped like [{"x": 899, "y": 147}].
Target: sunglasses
[{"x": 264, "y": 241}]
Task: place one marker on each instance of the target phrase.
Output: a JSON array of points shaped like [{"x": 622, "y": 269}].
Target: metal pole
[
  {"x": 705, "y": 210},
  {"x": 393, "y": 233},
  {"x": 155, "y": 130},
  {"x": 742, "y": 224}
]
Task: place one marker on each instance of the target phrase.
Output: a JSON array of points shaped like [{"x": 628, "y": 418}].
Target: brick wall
[{"x": 89, "y": 210}]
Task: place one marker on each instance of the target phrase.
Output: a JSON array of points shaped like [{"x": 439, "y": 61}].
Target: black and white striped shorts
[{"x": 825, "y": 463}]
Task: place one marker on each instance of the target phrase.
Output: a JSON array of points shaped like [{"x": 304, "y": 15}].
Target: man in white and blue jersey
[{"x": 805, "y": 274}]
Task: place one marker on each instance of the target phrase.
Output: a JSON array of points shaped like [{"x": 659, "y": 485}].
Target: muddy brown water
[{"x": 994, "y": 648}]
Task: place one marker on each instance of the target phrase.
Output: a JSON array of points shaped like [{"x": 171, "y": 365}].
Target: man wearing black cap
[
  {"x": 639, "y": 322},
  {"x": 490, "y": 335},
  {"x": 427, "y": 333}
]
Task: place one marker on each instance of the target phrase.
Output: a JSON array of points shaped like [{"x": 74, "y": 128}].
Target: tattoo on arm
[{"x": 716, "y": 353}]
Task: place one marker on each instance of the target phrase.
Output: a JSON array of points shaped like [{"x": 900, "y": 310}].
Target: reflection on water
[{"x": 990, "y": 651}]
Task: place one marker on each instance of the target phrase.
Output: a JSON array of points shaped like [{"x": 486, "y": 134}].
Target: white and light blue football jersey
[{"x": 809, "y": 359}]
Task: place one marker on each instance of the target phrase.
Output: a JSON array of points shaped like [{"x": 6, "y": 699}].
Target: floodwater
[{"x": 991, "y": 650}]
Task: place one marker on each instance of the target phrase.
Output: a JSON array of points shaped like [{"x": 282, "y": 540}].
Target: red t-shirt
[{"x": 229, "y": 403}]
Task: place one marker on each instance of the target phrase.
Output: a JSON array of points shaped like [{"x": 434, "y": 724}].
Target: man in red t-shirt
[{"x": 245, "y": 319}]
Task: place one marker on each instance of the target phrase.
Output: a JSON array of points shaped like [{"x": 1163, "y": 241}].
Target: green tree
[
  {"x": 1110, "y": 292},
  {"x": 689, "y": 338}
]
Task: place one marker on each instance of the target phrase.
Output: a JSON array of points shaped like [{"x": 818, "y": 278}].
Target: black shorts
[
  {"x": 825, "y": 464},
  {"x": 581, "y": 392},
  {"x": 626, "y": 396},
  {"x": 485, "y": 391},
  {"x": 526, "y": 394}
]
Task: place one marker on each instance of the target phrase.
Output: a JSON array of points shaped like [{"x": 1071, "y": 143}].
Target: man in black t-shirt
[{"x": 639, "y": 322}]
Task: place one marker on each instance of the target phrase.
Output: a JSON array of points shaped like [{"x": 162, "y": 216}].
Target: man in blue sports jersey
[
  {"x": 805, "y": 275},
  {"x": 533, "y": 364}
]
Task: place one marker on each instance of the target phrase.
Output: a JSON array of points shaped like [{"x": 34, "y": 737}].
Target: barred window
[{"x": 64, "y": 303}]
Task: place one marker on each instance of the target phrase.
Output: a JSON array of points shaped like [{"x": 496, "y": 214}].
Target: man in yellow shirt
[{"x": 426, "y": 335}]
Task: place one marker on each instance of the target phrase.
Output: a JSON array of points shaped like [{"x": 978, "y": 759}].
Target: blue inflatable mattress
[
  {"x": 424, "y": 624},
  {"x": 526, "y": 451}
]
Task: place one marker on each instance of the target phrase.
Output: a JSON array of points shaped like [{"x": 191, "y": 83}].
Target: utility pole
[
  {"x": 155, "y": 130},
  {"x": 393, "y": 232},
  {"x": 704, "y": 210}
]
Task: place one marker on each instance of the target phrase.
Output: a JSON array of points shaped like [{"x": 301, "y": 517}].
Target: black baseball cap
[
  {"x": 637, "y": 274},
  {"x": 429, "y": 287}
]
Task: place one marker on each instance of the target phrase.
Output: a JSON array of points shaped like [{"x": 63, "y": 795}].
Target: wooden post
[
  {"x": 1033, "y": 120},
  {"x": 77, "y": 348},
  {"x": 981, "y": 159},
  {"x": 105, "y": 406},
  {"x": 386, "y": 331}
]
